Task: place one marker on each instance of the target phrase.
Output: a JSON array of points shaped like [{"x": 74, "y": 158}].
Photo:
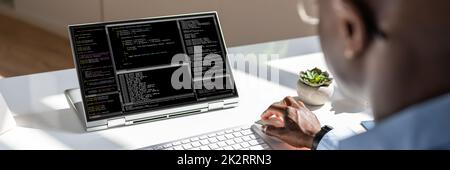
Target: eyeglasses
[{"x": 308, "y": 10}]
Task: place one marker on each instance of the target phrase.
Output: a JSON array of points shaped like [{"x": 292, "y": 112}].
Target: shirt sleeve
[{"x": 330, "y": 141}]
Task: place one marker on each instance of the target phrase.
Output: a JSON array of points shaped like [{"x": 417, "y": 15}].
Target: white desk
[{"x": 45, "y": 120}]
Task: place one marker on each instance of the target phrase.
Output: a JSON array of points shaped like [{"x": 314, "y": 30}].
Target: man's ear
[{"x": 352, "y": 28}]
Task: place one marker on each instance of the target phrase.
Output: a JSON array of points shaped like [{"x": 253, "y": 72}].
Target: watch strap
[{"x": 323, "y": 131}]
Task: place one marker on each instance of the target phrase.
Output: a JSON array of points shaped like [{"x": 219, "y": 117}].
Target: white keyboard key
[
  {"x": 185, "y": 141},
  {"x": 178, "y": 148},
  {"x": 167, "y": 145},
  {"x": 247, "y": 132},
  {"x": 205, "y": 148},
  {"x": 187, "y": 146},
  {"x": 237, "y": 146},
  {"x": 212, "y": 135},
  {"x": 229, "y": 131},
  {"x": 204, "y": 142},
  {"x": 228, "y": 148},
  {"x": 221, "y": 133},
  {"x": 245, "y": 144},
  {"x": 195, "y": 139},
  {"x": 238, "y": 140},
  {"x": 203, "y": 137},
  {"x": 221, "y": 138},
  {"x": 213, "y": 140},
  {"x": 237, "y": 129},
  {"x": 246, "y": 138},
  {"x": 229, "y": 136},
  {"x": 222, "y": 144},
  {"x": 257, "y": 147},
  {"x": 253, "y": 142},
  {"x": 196, "y": 144},
  {"x": 237, "y": 134},
  {"x": 230, "y": 142},
  {"x": 176, "y": 143},
  {"x": 195, "y": 149},
  {"x": 253, "y": 136},
  {"x": 213, "y": 146}
]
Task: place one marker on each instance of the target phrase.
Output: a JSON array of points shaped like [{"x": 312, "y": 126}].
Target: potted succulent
[{"x": 314, "y": 87}]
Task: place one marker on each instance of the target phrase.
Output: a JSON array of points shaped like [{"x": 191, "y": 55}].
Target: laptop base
[{"x": 74, "y": 99}]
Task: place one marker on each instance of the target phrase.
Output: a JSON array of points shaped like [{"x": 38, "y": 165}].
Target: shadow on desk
[
  {"x": 59, "y": 129},
  {"x": 347, "y": 106},
  {"x": 59, "y": 120},
  {"x": 341, "y": 104}
]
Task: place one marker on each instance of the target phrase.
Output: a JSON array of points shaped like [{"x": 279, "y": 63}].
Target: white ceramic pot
[
  {"x": 7, "y": 121},
  {"x": 315, "y": 96}
]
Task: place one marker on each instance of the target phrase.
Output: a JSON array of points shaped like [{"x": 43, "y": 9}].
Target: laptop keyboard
[{"x": 240, "y": 138}]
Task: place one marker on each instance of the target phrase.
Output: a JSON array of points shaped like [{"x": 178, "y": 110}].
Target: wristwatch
[{"x": 324, "y": 130}]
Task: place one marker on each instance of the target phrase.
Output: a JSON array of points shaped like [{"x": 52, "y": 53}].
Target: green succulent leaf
[{"x": 315, "y": 78}]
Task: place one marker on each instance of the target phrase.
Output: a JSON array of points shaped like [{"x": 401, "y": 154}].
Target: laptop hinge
[
  {"x": 117, "y": 122},
  {"x": 216, "y": 105}
]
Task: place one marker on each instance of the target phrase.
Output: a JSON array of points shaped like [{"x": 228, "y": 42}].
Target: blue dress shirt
[{"x": 423, "y": 126}]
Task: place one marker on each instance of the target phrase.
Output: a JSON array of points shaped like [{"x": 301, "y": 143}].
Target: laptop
[{"x": 150, "y": 69}]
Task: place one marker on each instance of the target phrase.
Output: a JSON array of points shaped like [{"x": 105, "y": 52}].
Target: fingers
[
  {"x": 290, "y": 101},
  {"x": 276, "y": 110},
  {"x": 277, "y": 122},
  {"x": 292, "y": 113},
  {"x": 273, "y": 131}
]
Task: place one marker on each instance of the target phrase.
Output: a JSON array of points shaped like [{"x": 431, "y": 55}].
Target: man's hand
[{"x": 291, "y": 122}]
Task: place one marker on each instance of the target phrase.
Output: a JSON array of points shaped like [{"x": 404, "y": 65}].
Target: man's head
[{"x": 398, "y": 51}]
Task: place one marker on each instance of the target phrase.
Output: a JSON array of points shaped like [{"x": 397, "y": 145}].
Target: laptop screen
[{"x": 130, "y": 67}]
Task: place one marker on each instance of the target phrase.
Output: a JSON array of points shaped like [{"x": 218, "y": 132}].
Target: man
[{"x": 395, "y": 53}]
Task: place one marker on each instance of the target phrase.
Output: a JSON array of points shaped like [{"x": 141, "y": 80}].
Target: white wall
[
  {"x": 251, "y": 21},
  {"x": 55, "y": 15},
  {"x": 243, "y": 21}
]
